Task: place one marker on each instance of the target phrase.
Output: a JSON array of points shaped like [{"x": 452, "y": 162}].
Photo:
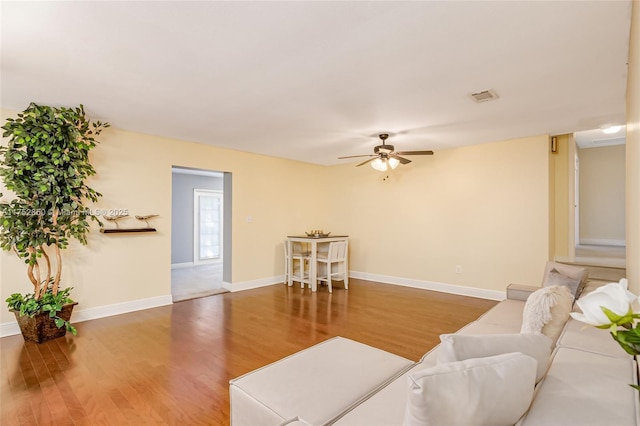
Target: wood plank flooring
[{"x": 171, "y": 365}]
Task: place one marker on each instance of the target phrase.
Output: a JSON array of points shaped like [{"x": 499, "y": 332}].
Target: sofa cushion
[
  {"x": 316, "y": 384},
  {"x": 385, "y": 407},
  {"x": 546, "y": 311},
  {"x": 579, "y": 335},
  {"x": 477, "y": 327},
  {"x": 582, "y": 389},
  {"x": 458, "y": 347},
  {"x": 482, "y": 391},
  {"x": 507, "y": 312},
  {"x": 573, "y": 277}
]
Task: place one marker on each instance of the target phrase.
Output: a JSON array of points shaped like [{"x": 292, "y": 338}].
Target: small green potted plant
[{"x": 45, "y": 164}]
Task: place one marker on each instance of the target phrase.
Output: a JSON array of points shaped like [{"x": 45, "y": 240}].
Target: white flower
[{"x": 614, "y": 296}]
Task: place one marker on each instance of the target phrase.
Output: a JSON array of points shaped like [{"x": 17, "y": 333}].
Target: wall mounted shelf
[{"x": 126, "y": 230}]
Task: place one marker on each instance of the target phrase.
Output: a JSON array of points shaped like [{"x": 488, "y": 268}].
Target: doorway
[
  {"x": 599, "y": 179},
  {"x": 200, "y": 220}
]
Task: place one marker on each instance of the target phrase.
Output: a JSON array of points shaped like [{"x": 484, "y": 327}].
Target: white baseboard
[
  {"x": 182, "y": 265},
  {"x": 9, "y": 329},
  {"x": 602, "y": 242},
  {"x": 79, "y": 315},
  {"x": 430, "y": 285},
  {"x": 425, "y": 285},
  {"x": 248, "y": 285}
]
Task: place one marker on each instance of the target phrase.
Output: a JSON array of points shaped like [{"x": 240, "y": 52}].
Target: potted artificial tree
[{"x": 45, "y": 164}]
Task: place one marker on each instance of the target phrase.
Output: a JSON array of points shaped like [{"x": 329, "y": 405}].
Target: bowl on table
[{"x": 316, "y": 234}]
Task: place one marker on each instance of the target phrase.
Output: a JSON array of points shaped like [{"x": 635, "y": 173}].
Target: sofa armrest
[{"x": 520, "y": 291}]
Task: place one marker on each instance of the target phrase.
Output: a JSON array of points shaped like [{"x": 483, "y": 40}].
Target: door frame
[{"x": 574, "y": 212}]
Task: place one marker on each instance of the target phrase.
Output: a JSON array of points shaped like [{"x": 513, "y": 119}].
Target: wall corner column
[{"x": 632, "y": 181}]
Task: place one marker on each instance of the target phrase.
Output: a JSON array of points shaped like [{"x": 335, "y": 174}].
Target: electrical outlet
[{"x": 458, "y": 269}]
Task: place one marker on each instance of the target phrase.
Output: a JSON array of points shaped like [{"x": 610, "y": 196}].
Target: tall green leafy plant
[{"x": 46, "y": 163}]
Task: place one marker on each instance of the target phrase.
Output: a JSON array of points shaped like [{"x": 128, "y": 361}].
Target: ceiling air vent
[{"x": 484, "y": 96}]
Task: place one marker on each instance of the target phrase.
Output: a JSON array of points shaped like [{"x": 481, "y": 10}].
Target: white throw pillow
[
  {"x": 546, "y": 311},
  {"x": 573, "y": 277},
  {"x": 493, "y": 391},
  {"x": 459, "y": 347}
]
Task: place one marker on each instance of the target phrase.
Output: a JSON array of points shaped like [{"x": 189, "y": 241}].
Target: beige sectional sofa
[{"x": 343, "y": 382}]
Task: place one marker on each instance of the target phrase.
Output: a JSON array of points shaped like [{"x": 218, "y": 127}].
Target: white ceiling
[
  {"x": 312, "y": 81},
  {"x": 597, "y": 138}
]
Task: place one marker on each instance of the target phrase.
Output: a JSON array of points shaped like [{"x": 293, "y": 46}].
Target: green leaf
[
  {"x": 629, "y": 340},
  {"x": 617, "y": 319}
]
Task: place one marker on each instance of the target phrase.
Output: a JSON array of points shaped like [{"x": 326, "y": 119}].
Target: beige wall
[
  {"x": 484, "y": 207},
  {"x": 633, "y": 154},
  {"x": 134, "y": 172},
  {"x": 602, "y": 195}
]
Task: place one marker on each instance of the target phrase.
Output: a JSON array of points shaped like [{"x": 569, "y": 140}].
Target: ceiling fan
[{"x": 384, "y": 155}]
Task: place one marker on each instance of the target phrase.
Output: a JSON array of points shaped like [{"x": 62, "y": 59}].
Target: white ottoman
[{"x": 314, "y": 385}]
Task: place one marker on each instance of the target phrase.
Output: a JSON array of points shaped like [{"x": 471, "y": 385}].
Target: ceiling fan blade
[
  {"x": 415, "y": 153},
  {"x": 356, "y": 156},
  {"x": 400, "y": 159},
  {"x": 367, "y": 161}
]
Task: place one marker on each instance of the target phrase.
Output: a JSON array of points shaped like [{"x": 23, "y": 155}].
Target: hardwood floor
[{"x": 171, "y": 365}]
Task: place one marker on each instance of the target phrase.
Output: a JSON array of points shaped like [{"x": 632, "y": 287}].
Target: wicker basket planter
[{"x": 40, "y": 328}]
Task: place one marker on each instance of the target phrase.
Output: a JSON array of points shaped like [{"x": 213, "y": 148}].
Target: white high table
[{"x": 313, "y": 264}]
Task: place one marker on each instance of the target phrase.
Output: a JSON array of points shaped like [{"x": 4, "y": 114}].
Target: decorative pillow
[
  {"x": 570, "y": 276},
  {"x": 546, "y": 311},
  {"x": 495, "y": 390},
  {"x": 556, "y": 278},
  {"x": 459, "y": 347}
]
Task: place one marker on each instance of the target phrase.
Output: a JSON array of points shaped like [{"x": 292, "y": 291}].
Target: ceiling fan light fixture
[
  {"x": 385, "y": 157},
  {"x": 379, "y": 164}
]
